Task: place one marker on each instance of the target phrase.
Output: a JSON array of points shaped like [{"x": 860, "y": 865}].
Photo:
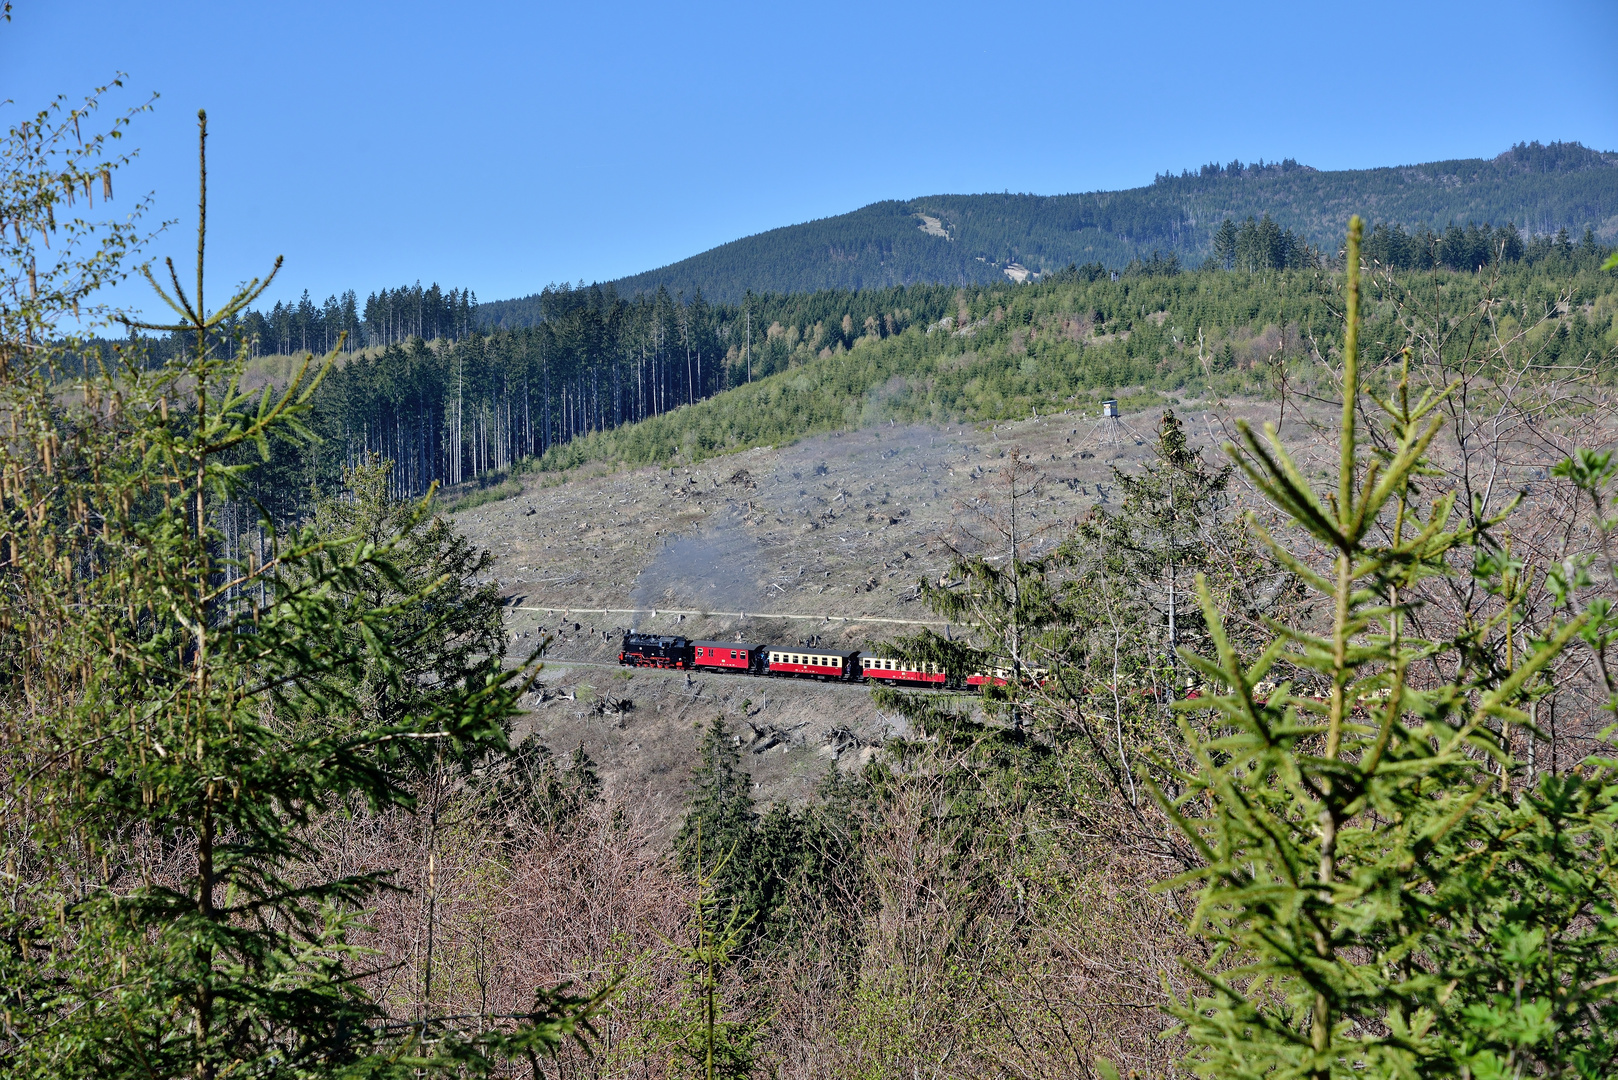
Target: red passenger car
[
  {"x": 1032, "y": 676},
  {"x": 910, "y": 673},
  {"x": 815, "y": 662},
  {"x": 726, "y": 655}
]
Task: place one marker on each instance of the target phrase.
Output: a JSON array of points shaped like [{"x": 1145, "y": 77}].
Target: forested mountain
[{"x": 967, "y": 239}]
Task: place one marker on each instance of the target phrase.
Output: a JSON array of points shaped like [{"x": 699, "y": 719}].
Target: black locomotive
[{"x": 652, "y": 650}]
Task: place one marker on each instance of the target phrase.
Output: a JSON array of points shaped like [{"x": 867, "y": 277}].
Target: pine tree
[
  {"x": 1384, "y": 894},
  {"x": 1165, "y": 533},
  {"x": 721, "y": 807},
  {"x": 430, "y": 651},
  {"x": 1225, "y": 244},
  {"x": 168, "y": 913}
]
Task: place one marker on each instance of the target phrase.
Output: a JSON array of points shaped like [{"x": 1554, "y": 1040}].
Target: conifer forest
[{"x": 1222, "y": 574}]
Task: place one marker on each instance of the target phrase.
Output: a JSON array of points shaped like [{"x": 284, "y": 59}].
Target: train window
[{"x": 733, "y": 654}]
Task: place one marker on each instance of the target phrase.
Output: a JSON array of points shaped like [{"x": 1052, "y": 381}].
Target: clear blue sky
[{"x": 504, "y": 145}]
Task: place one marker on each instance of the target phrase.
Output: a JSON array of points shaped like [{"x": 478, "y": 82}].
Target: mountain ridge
[{"x": 976, "y": 239}]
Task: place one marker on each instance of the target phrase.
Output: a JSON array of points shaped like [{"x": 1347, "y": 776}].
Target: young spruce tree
[
  {"x": 168, "y": 714},
  {"x": 1386, "y": 895}
]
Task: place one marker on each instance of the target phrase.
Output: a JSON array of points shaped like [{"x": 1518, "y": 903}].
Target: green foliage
[
  {"x": 1168, "y": 529},
  {"x": 705, "y": 1043},
  {"x": 1382, "y": 897},
  {"x": 178, "y": 719},
  {"x": 529, "y": 792},
  {"x": 721, "y": 814},
  {"x": 1005, "y": 351},
  {"x": 772, "y": 870},
  {"x": 448, "y": 632},
  {"x": 1089, "y": 625}
]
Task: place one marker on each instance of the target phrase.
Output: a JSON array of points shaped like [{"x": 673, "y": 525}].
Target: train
[{"x": 801, "y": 662}]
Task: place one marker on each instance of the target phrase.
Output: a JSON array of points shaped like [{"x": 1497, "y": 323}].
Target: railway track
[
  {"x": 654, "y": 612},
  {"x": 565, "y": 662}
]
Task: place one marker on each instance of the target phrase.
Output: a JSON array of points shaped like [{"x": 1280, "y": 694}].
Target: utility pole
[{"x": 749, "y": 335}]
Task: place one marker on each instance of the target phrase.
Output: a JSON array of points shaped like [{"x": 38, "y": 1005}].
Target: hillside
[
  {"x": 976, "y": 239},
  {"x": 823, "y": 538}
]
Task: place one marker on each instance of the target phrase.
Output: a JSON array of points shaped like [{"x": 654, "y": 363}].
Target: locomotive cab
[{"x": 654, "y": 650}]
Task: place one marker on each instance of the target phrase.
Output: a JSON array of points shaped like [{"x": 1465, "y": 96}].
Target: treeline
[
  {"x": 1233, "y": 168},
  {"x": 1477, "y": 246},
  {"x": 388, "y": 317},
  {"x": 1261, "y": 245},
  {"x": 645, "y": 379},
  {"x": 454, "y": 411}
]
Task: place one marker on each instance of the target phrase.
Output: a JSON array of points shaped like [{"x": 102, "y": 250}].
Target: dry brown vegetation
[{"x": 1010, "y": 942}]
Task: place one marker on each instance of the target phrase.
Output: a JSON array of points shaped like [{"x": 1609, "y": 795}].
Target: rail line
[
  {"x": 564, "y": 662},
  {"x": 654, "y": 612}
]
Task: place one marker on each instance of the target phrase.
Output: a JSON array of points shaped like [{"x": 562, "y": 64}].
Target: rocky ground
[{"x": 820, "y": 542}]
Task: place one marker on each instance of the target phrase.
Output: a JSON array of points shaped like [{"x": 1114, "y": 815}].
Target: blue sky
[{"x": 502, "y": 146}]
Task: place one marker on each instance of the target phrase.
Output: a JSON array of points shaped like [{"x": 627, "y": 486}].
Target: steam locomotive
[{"x": 795, "y": 661}]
